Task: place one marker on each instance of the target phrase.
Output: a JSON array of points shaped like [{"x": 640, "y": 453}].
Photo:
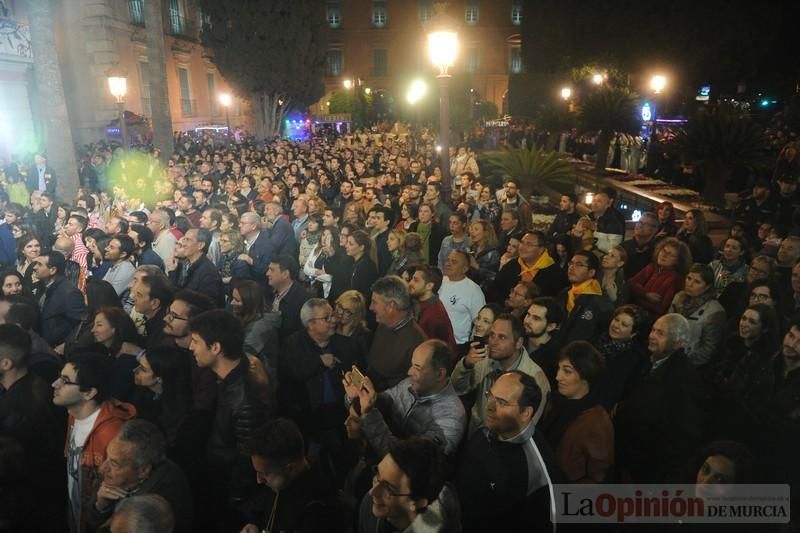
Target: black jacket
[
  {"x": 340, "y": 268},
  {"x": 62, "y": 311},
  {"x": 638, "y": 258},
  {"x": 363, "y": 276},
  {"x": 290, "y": 306},
  {"x": 588, "y": 319},
  {"x": 242, "y": 407},
  {"x": 50, "y": 179},
  {"x": 307, "y": 505},
  {"x": 261, "y": 252},
  {"x": 202, "y": 277},
  {"x": 507, "y": 485},
  {"x": 384, "y": 255},
  {"x": 550, "y": 281},
  {"x": 303, "y": 380},
  {"x": 166, "y": 480},
  {"x": 660, "y": 423},
  {"x": 561, "y": 225}
]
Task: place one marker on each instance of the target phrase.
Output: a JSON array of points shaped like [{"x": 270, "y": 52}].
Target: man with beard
[
  {"x": 300, "y": 496},
  {"x": 542, "y": 321}
]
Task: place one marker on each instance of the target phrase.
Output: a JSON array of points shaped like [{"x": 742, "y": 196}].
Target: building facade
[
  {"x": 383, "y": 44},
  {"x": 93, "y": 36}
]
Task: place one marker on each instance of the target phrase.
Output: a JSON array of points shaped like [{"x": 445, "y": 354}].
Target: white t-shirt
[
  {"x": 462, "y": 300},
  {"x": 80, "y": 432}
]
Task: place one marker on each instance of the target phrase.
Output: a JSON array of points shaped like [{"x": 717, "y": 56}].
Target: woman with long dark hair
[
  {"x": 360, "y": 247},
  {"x": 114, "y": 329},
  {"x": 260, "y": 327},
  {"x": 694, "y": 233}
]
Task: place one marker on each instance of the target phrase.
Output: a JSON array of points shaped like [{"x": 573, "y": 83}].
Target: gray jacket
[{"x": 440, "y": 416}]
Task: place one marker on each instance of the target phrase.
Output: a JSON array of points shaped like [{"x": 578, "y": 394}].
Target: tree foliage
[
  {"x": 531, "y": 167},
  {"x": 717, "y": 141},
  {"x": 271, "y": 51},
  {"x": 607, "y": 111}
]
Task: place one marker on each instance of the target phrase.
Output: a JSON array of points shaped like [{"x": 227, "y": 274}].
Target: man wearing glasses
[
  {"x": 588, "y": 309},
  {"x": 408, "y": 491},
  {"x": 94, "y": 420},
  {"x": 534, "y": 264},
  {"x": 641, "y": 247},
  {"x": 505, "y": 480}
]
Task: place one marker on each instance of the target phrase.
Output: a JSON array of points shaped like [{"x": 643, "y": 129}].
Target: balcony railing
[{"x": 177, "y": 23}]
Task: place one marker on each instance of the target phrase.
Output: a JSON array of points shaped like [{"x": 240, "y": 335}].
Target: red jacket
[
  {"x": 112, "y": 415},
  {"x": 435, "y": 322},
  {"x": 652, "y": 278}
]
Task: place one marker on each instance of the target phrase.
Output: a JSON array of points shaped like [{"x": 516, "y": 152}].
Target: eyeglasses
[
  {"x": 172, "y": 316},
  {"x": 342, "y": 311},
  {"x": 577, "y": 265},
  {"x": 384, "y": 486},
  {"x": 759, "y": 296},
  {"x": 64, "y": 380},
  {"x": 500, "y": 401}
]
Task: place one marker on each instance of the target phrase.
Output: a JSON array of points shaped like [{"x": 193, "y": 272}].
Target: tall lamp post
[
  {"x": 226, "y": 100},
  {"x": 657, "y": 85},
  {"x": 118, "y": 86},
  {"x": 442, "y": 48},
  {"x": 566, "y": 94}
]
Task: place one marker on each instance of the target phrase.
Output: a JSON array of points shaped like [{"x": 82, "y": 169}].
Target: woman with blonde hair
[
  {"x": 350, "y": 312},
  {"x": 484, "y": 258}
]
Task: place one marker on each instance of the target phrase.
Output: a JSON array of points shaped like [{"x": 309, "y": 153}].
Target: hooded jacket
[{"x": 112, "y": 415}]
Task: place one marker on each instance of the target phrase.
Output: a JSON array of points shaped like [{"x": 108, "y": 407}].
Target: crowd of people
[{"x": 325, "y": 336}]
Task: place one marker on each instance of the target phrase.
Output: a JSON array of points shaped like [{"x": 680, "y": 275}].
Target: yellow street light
[
  {"x": 118, "y": 87},
  {"x": 348, "y": 84},
  {"x": 367, "y": 91},
  {"x": 443, "y": 49},
  {"x": 598, "y": 79},
  {"x": 657, "y": 83},
  {"x": 566, "y": 92},
  {"x": 225, "y": 99}
]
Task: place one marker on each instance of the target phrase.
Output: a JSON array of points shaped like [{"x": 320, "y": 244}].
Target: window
[
  {"x": 334, "y": 14},
  {"x": 177, "y": 20},
  {"x": 136, "y": 12},
  {"x": 379, "y": 13},
  {"x": 186, "y": 96},
  {"x": 381, "y": 62},
  {"x": 425, "y": 10},
  {"x": 515, "y": 60},
  {"x": 335, "y": 60},
  {"x": 472, "y": 63},
  {"x": 212, "y": 92},
  {"x": 144, "y": 78},
  {"x": 472, "y": 12},
  {"x": 516, "y": 12}
]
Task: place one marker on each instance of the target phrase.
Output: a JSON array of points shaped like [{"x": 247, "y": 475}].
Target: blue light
[
  {"x": 647, "y": 112},
  {"x": 764, "y": 103}
]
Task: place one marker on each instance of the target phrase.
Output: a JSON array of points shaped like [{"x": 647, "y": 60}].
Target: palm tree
[
  {"x": 607, "y": 111},
  {"x": 157, "y": 71},
  {"x": 719, "y": 141},
  {"x": 554, "y": 119},
  {"x": 57, "y": 136},
  {"x": 531, "y": 166}
]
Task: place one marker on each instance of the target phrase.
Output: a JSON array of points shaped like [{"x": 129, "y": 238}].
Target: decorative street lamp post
[
  {"x": 657, "y": 83},
  {"x": 442, "y": 48},
  {"x": 566, "y": 93},
  {"x": 226, "y": 100},
  {"x": 118, "y": 86}
]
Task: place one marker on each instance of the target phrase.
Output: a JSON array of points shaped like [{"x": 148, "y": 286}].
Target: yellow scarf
[
  {"x": 591, "y": 286},
  {"x": 527, "y": 273}
]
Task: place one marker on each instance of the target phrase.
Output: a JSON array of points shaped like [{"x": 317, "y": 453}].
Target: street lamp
[
  {"x": 598, "y": 79},
  {"x": 566, "y": 92},
  {"x": 442, "y": 49},
  {"x": 118, "y": 86},
  {"x": 225, "y": 99},
  {"x": 657, "y": 83},
  {"x": 348, "y": 84}
]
